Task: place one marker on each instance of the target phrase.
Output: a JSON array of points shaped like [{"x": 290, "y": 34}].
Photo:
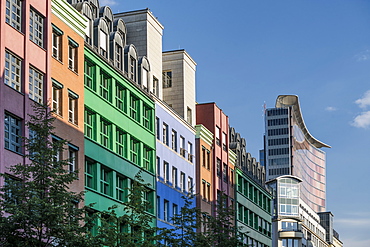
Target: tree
[
  {"x": 220, "y": 229},
  {"x": 135, "y": 227},
  {"x": 186, "y": 224},
  {"x": 37, "y": 209}
]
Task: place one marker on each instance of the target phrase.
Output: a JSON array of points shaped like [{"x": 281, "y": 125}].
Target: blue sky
[{"x": 249, "y": 52}]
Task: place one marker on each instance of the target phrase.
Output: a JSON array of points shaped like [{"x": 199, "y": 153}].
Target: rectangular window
[
  {"x": 218, "y": 167},
  {"x": 120, "y": 98},
  {"x": 106, "y": 181},
  {"x": 167, "y": 79},
  {"x": 158, "y": 207},
  {"x": 165, "y": 171},
  {"x": 165, "y": 210},
  {"x": 36, "y": 28},
  {"x": 208, "y": 160},
  {"x": 144, "y": 79},
  {"x": 147, "y": 157},
  {"x": 72, "y": 159},
  {"x": 224, "y": 146},
  {"x": 174, "y": 140},
  {"x": 13, "y": 13},
  {"x": 182, "y": 182},
  {"x": 121, "y": 188},
  {"x": 175, "y": 210},
  {"x": 218, "y": 135},
  {"x": 158, "y": 130},
  {"x": 155, "y": 86},
  {"x": 224, "y": 173},
  {"x": 89, "y": 75},
  {"x": 203, "y": 157},
  {"x": 56, "y": 43},
  {"x": 13, "y": 71},
  {"x": 147, "y": 116},
  {"x": 120, "y": 142},
  {"x": 57, "y": 98},
  {"x": 103, "y": 43},
  {"x": 36, "y": 84},
  {"x": 90, "y": 124},
  {"x": 232, "y": 177},
  {"x": 72, "y": 107},
  {"x": 12, "y": 138},
  {"x": 105, "y": 133},
  {"x": 190, "y": 184},
  {"x": 189, "y": 116},
  {"x": 204, "y": 190},
  {"x": 105, "y": 83},
  {"x": 134, "y": 108},
  {"x": 90, "y": 174},
  {"x": 132, "y": 73},
  {"x": 72, "y": 55},
  {"x": 182, "y": 146},
  {"x": 165, "y": 134},
  {"x": 118, "y": 57},
  {"x": 174, "y": 177},
  {"x": 190, "y": 152},
  {"x": 134, "y": 150},
  {"x": 209, "y": 192}
]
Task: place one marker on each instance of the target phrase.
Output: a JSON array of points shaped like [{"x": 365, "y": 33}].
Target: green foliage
[{"x": 37, "y": 207}]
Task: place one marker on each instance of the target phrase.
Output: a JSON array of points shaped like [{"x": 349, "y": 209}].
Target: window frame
[
  {"x": 36, "y": 85},
  {"x": 12, "y": 141},
  {"x": 36, "y": 28},
  {"x": 57, "y": 43},
  {"x": 13, "y": 70},
  {"x": 167, "y": 78},
  {"x": 72, "y": 107},
  {"x": 9, "y": 14},
  {"x": 72, "y": 55}
]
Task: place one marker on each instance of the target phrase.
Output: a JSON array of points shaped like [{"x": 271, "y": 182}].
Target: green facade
[
  {"x": 253, "y": 210},
  {"x": 119, "y": 135}
]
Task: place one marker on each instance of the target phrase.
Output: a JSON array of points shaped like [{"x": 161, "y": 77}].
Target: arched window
[
  {"x": 131, "y": 62},
  {"x": 106, "y": 13},
  {"x": 144, "y": 69},
  {"x": 85, "y": 9},
  {"x": 117, "y": 43},
  {"x": 101, "y": 32}
]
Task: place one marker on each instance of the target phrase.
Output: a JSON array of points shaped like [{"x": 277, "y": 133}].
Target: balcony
[{"x": 290, "y": 234}]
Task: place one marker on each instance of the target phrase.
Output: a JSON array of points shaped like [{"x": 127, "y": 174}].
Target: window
[
  {"x": 232, "y": 177},
  {"x": 167, "y": 79},
  {"x": 165, "y": 171},
  {"x": 182, "y": 181},
  {"x": 13, "y": 13},
  {"x": 147, "y": 116},
  {"x": 218, "y": 167},
  {"x": 158, "y": 207},
  {"x": 190, "y": 152},
  {"x": 36, "y": 28},
  {"x": 72, "y": 159},
  {"x": 89, "y": 75},
  {"x": 157, "y": 124},
  {"x": 155, "y": 86},
  {"x": 224, "y": 173},
  {"x": 134, "y": 107},
  {"x": 36, "y": 81},
  {"x": 57, "y": 43},
  {"x": 175, "y": 210},
  {"x": 118, "y": 57},
  {"x": 218, "y": 135},
  {"x": 105, "y": 181},
  {"x": 12, "y": 76},
  {"x": 165, "y": 134},
  {"x": 57, "y": 149},
  {"x": 204, "y": 190},
  {"x": 190, "y": 184},
  {"x": 132, "y": 72},
  {"x": 105, "y": 133},
  {"x": 147, "y": 157},
  {"x": 12, "y": 138},
  {"x": 165, "y": 210},
  {"x": 9, "y": 193},
  {"x": 72, "y": 107},
  {"x": 203, "y": 157},
  {"x": 120, "y": 142},
  {"x": 224, "y": 146},
  {"x": 120, "y": 98},
  {"x": 90, "y": 174},
  {"x": 72, "y": 55},
  {"x": 208, "y": 160},
  {"x": 121, "y": 188},
  {"x": 57, "y": 98},
  {"x": 189, "y": 116},
  {"x": 174, "y": 176},
  {"x": 134, "y": 150},
  {"x": 174, "y": 140},
  {"x": 144, "y": 79},
  {"x": 105, "y": 82},
  {"x": 182, "y": 146},
  {"x": 209, "y": 192},
  {"x": 103, "y": 43},
  {"x": 32, "y": 142},
  {"x": 90, "y": 124}
]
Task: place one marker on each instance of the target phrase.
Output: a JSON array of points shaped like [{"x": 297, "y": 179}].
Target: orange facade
[{"x": 67, "y": 91}]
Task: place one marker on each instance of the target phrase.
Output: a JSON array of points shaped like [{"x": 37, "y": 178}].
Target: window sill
[
  {"x": 14, "y": 151},
  {"x": 73, "y": 124},
  {"x": 58, "y": 60},
  {"x": 19, "y": 31},
  {"x": 75, "y": 72}
]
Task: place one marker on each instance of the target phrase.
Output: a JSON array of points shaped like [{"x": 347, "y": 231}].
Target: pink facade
[
  {"x": 215, "y": 120},
  {"x": 24, "y": 58}
]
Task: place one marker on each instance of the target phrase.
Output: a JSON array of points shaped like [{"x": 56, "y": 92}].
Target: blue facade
[{"x": 175, "y": 149}]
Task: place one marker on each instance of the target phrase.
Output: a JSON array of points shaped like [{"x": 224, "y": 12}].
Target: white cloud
[
  {"x": 363, "y": 56},
  {"x": 364, "y": 101},
  {"x": 107, "y": 2},
  {"x": 330, "y": 108},
  {"x": 362, "y": 120}
]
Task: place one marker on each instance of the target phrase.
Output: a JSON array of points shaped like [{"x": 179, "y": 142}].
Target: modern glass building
[{"x": 292, "y": 150}]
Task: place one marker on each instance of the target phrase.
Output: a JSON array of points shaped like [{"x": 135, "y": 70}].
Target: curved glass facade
[{"x": 309, "y": 165}]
